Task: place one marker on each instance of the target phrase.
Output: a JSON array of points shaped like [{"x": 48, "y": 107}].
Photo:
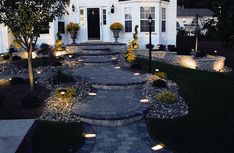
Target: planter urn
[
  {"x": 116, "y": 35},
  {"x": 73, "y": 37}
]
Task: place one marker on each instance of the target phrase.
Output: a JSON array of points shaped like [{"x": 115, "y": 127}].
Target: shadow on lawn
[{"x": 209, "y": 126}]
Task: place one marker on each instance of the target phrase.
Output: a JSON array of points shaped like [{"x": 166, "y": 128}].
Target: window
[
  {"x": 164, "y": 17},
  {"x": 82, "y": 17},
  {"x": 104, "y": 16},
  {"x": 45, "y": 29},
  {"x": 145, "y": 12},
  {"x": 61, "y": 25},
  {"x": 128, "y": 19}
]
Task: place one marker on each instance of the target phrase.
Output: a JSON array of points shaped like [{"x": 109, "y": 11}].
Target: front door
[{"x": 93, "y": 24}]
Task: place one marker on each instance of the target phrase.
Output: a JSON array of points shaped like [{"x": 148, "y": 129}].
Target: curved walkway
[{"x": 118, "y": 109}]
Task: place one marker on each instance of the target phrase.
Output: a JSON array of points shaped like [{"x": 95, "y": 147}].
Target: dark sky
[{"x": 196, "y": 3}]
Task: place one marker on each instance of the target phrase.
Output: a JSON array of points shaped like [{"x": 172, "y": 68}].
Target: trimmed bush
[
  {"x": 16, "y": 58},
  {"x": 166, "y": 97},
  {"x": 65, "y": 93},
  {"x": 161, "y": 47},
  {"x": 116, "y": 26},
  {"x": 160, "y": 84},
  {"x": 30, "y": 101},
  {"x": 16, "y": 81},
  {"x": 6, "y": 57},
  {"x": 136, "y": 66},
  {"x": 172, "y": 48},
  {"x": 200, "y": 54},
  {"x": 161, "y": 75}
]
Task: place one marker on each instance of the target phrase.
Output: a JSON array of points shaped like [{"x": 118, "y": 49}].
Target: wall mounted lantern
[
  {"x": 73, "y": 8},
  {"x": 112, "y": 9}
]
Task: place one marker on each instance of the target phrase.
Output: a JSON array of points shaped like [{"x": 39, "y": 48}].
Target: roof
[{"x": 186, "y": 12}]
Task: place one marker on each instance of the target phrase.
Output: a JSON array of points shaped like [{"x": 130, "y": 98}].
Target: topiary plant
[
  {"x": 65, "y": 93},
  {"x": 166, "y": 97},
  {"x": 6, "y": 57},
  {"x": 160, "y": 83},
  {"x": 116, "y": 26},
  {"x": 161, "y": 75}
]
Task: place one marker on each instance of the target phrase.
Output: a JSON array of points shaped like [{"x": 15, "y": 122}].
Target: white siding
[{"x": 3, "y": 39}]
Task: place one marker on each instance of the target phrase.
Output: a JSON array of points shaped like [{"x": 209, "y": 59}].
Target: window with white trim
[
  {"x": 128, "y": 19},
  {"x": 145, "y": 12},
  {"x": 61, "y": 24},
  {"x": 164, "y": 17}
]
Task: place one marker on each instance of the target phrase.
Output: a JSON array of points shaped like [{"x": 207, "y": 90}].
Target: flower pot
[
  {"x": 116, "y": 35},
  {"x": 73, "y": 37}
]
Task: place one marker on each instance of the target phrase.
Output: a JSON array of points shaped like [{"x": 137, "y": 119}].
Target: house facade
[
  {"x": 95, "y": 18},
  {"x": 186, "y": 17}
]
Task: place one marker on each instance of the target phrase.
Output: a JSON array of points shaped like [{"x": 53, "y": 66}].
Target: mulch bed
[{"x": 11, "y": 97}]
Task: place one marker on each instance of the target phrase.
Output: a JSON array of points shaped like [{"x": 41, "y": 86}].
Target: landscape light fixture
[
  {"x": 157, "y": 147},
  {"x": 73, "y": 8},
  {"x": 112, "y": 9},
  {"x": 150, "y": 46}
]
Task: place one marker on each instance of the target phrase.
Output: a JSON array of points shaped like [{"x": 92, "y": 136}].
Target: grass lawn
[
  {"x": 57, "y": 137},
  {"x": 209, "y": 127}
]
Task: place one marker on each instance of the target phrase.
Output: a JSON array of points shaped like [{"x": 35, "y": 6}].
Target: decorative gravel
[
  {"x": 60, "y": 110},
  {"x": 72, "y": 63},
  {"x": 160, "y": 110}
]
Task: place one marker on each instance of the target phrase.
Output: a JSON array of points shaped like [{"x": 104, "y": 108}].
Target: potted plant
[
  {"x": 116, "y": 28},
  {"x": 73, "y": 28}
]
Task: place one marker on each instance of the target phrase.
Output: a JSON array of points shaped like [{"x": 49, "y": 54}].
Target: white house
[
  {"x": 95, "y": 18},
  {"x": 186, "y": 16}
]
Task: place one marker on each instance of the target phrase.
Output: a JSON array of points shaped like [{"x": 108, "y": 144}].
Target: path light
[
  {"x": 63, "y": 92},
  {"x": 90, "y": 135},
  {"x": 70, "y": 56},
  {"x": 39, "y": 71},
  {"x": 10, "y": 79},
  {"x": 113, "y": 58},
  {"x": 157, "y": 147},
  {"x": 80, "y": 60},
  {"x": 156, "y": 70},
  {"x": 136, "y": 74},
  {"x": 92, "y": 94},
  {"x": 117, "y": 67},
  {"x": 144, "y": 100}
]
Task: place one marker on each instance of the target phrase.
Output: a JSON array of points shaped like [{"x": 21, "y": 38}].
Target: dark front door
[{"x": 93, "y": 24}]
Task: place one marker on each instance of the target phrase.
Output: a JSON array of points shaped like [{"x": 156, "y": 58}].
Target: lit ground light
[
  {"x": 90, "y": 135},
  {"x": 157, "y": 147}
]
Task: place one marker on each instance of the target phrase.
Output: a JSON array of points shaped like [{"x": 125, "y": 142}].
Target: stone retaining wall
[{"x": 209, "y": 63}]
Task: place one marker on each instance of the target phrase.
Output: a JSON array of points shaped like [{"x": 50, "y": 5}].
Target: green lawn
[
  {"x": 57, "y": 137},
  {"x": 209, "y": 127}
]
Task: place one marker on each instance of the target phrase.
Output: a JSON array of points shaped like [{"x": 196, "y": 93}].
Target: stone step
[
  {"x": 112, "y": 107},
  {"x": 98, "y": 59},
  {"x": 96, "y": 53}
]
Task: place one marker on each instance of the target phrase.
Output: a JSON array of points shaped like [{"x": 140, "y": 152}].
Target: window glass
[
  {"x": 145, "y": 13},
  {"x": 128, "y": 19}
]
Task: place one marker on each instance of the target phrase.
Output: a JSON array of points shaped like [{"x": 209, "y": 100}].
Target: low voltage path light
[{"x": 150, "y": 46}]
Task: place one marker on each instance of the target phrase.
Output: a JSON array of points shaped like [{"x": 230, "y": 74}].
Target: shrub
[
  {"x": 61, "y": 77},
  {"x": 6, "y": 57},
  {"x": 200, "y": 54},
  {"x": 30, "y": 101},
  {"x": 172, "y": 48},
  {"x": 160, "y": 84},
  {"x": 183, "y": 52},
  {"x": 161, "y": 47},
  {"x": 166, "y": 97},
  {"x": 16, "y": 81},
  {"x": 65, "y": 93},
  {"x": 161, "y": 75},
  {"x": 136, "y": 66},
  {"x": 16, "y": 58},
  {"x": 45, "y": 49},
  {"x": 116, "y": 26},
  {"x": 73, "y": 27}
]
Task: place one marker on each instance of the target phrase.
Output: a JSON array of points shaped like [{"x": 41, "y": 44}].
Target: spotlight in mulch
[
  {"x": 156, "y": 70},
  {"x": 157, "y": 147},
  {"x": 70, "y": 56},
  {"x": 92, "y": 94},
  {"x": 136, "y": 74},
  {"x": 117, "y": 67},
  {"x": 90, "y": 135},
  {"x": 113, "y": 58},
  {"x": 10, "y": 79},
  {"x": 39, "y": 71},
  {"x": 144, "y": 100}
]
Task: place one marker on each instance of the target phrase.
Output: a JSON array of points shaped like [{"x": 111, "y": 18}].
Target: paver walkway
[
  {"x": 110, "y": 104},
  {"x": 132, "y": 138}
]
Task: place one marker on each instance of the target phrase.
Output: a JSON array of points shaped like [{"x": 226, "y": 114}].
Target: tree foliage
[
  {"x": 224, "y": 11},
  {"x": 25, "y": 18}
]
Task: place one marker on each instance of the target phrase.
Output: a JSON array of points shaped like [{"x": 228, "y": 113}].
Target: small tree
[
  {"x": 26, "y": 18},
  {"x": 130, "y": 54}
]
